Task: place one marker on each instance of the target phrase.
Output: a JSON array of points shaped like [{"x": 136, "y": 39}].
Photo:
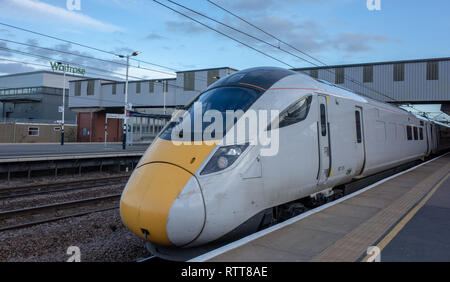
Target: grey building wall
[
  {"x": 173, "y": 90},
  {"x": 414, "y": 88},
  {"x": 35, "y": 96}
]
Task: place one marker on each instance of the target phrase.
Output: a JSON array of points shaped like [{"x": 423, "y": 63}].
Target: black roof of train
[{"x": 260, "y": 77}]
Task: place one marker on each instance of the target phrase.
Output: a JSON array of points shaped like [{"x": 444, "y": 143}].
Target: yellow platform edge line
[{"x": 388, "y": 238}]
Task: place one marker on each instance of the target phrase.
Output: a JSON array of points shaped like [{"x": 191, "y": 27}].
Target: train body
[{"x": 189, "y": 195}]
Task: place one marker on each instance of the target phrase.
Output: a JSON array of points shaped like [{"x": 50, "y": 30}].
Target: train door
[
  {"x": 360, "y": 156},
  {"x": 324, "y": 141},
  {"x": 427, "y": 137}
]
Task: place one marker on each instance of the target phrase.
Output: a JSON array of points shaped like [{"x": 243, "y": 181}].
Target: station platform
[
  {"x": 29, "y": 152},
  {"x": 406, "y": 216}
]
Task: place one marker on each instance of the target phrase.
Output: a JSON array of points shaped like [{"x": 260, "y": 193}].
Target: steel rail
[
  {"x": 46, "y": 188},
  {"x": 54, "y": 212}
]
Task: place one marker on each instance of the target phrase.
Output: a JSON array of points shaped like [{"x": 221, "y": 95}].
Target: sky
[{"x": 333, "y": 31}]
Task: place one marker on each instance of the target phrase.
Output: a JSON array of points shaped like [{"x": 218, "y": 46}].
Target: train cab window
[
  {"x": 358, "y": 126},
  {"x": 323, "y": 120},
  {"x": 296, "y": 112},
  {"x": 221, "y": 99},
  {"x": 421, "y": 133},
  {"x": 409, "y": 132},
  {"x": 416, "y": 135}
]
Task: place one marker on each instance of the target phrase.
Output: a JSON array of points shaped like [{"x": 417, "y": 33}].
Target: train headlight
[{"x": 223, "y": 158}]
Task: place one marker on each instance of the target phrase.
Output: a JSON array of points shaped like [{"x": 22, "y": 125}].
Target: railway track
[
  {"x": 20, "y": 218},
  {"x": 46, "y": 188}
]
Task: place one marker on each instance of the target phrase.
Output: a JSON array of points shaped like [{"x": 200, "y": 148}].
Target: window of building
[
  {"x": 189, "y": 81},
  {"x": 339, "y": 75},
  {"x": 358, "y": 127},
  {"x": 409, "y": 132},
  {"x": 213, "y": 76},
  {"x": 314, "y": 73},
  {"x": 138, "y": 87},
  {"x": 33, "y": 131},
  {"x": 90, "y": 88},
  {"x": 78, "y": 88},
  {"x": 151, "y": 87},
  {"x": 368, "y": 74},
  {"x": 399, "y": 72},
  {"x": 416, "y": 134},
  {"x": 421, "y": 133},
  {"x": 114, "y": 89},
  {"x": 432, "y": 70}
]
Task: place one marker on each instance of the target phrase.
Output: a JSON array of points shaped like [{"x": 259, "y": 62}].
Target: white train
[{"x": 186, "y": 196}]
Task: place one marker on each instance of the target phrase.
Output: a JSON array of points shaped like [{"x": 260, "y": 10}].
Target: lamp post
[
  {"x": 64, "y": 104},
  {"x": 125, "y": 128}
]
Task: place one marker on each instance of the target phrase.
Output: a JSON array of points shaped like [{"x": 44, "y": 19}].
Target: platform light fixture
[
  {"x": 64, "y": 103},
  {"x": 126, "y": 106}
]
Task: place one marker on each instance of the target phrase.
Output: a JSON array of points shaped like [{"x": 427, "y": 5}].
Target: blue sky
[{"x": 335, "y": 31}]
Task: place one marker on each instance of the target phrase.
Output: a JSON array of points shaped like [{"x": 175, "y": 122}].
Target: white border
[{"x": 254, "y": 236}]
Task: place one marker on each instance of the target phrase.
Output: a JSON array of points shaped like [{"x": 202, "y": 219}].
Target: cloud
[
  {"x": 39, "y": 11},
  {"x": 4, "y": 53},
  {"x": 356, "y": 42},
  {"x": 14, "y": 68},
  {"x": 309, "y": 36},
  {"x": 186, "y": 27},
  {"x": 154, "y": 36},
  {"x": 259, "y": 5}
]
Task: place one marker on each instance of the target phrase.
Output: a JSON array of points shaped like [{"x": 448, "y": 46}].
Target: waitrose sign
[{"x": 66, "y": 68}]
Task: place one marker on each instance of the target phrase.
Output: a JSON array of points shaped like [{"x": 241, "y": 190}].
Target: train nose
[{"x": 165, "y": 202}]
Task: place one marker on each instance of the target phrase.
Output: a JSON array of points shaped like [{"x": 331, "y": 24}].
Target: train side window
[
  {"x": 358, "y": 126},
  {"x": 416, "y": 135},
  {"x": 421, "y": 133},
  {"x": 409, "y": 132},
  {"x": 297, "y": 112},
  {"x": 323, "y": 120}
]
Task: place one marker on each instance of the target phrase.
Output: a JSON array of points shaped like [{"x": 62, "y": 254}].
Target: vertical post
[
  {"x": 106, "y": 128},
  {"x": 90, "y": 130},
  {"x": 140, "y": 129},
  {"x": 64, "y": 107},
  {"x": 164, "y": 99},
  {"x": 14, "y": 138},
  {"x": 125, "y": 129}
]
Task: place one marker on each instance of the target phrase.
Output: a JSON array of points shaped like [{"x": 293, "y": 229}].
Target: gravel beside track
[{"x": 100, "y": 236}]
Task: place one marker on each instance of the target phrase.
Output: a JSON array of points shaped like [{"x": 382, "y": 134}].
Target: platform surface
[
  {"x": 406, "y": 217},
  {"x": 11, "y": 151}
]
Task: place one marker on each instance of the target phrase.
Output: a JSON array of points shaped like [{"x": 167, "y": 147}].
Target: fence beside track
[{"x": 27, "y": 166}]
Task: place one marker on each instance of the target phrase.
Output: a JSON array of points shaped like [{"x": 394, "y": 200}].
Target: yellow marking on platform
[{"x": 388, "y": 238}]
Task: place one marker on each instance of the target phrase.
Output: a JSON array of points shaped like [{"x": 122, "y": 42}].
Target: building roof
[
  {"x": 376, "y": 63},
  {"x": 206, "y": 69},
  {"x": 42, "y": 71}
]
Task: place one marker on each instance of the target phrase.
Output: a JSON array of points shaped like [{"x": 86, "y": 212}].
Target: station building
[
  {"x": 94, "y": 99},
  {"x": 94, "y": 104},
  {"x": 29, "y": 107},
  {"x": 425, "y": 81},
  {"x": 35, "y": 96}
]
